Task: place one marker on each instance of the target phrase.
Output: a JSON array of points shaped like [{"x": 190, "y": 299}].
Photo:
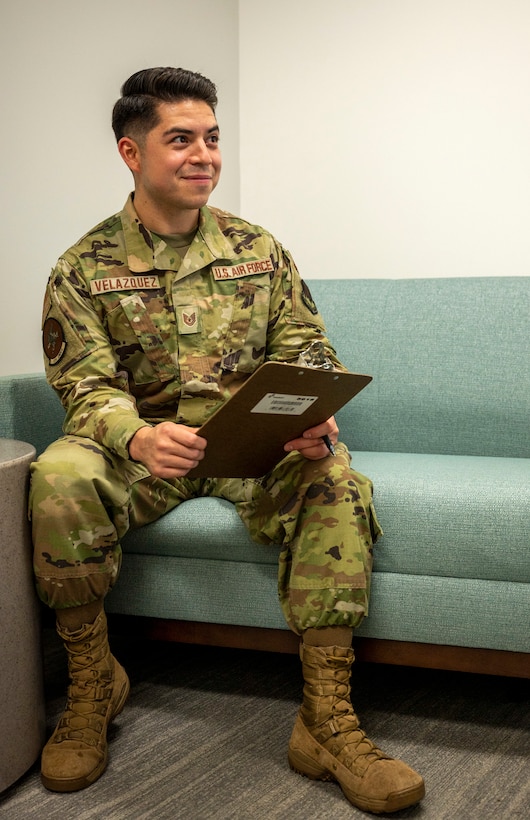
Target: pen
[{"x": 329, "y": 445}]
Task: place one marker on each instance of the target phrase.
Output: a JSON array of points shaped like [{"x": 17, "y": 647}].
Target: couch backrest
[{"x": 450, "y": 361}]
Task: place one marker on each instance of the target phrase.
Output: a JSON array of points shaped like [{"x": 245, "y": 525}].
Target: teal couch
[{"x": 443, "y": 431}]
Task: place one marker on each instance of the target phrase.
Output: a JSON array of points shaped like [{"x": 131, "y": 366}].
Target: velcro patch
[
  {"x": 243, "y": 269},
  {"x": 307, "y": 299},
  {"x": 188, "y": 319},
  {"x": 110, "y": 283},
  {"x": 53, "y": 340}
]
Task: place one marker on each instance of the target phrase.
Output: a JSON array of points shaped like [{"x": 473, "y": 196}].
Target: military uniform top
[{"x": 134, "y": 335}]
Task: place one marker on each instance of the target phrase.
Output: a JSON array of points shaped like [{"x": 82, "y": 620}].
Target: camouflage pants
[{"x": 84, "y": 499}]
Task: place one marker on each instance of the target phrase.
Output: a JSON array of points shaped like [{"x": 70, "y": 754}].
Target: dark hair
[{"x": 136, "y": 112}]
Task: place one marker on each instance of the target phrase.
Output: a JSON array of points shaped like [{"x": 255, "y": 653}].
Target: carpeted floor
[{"x": 205, "y": 732}]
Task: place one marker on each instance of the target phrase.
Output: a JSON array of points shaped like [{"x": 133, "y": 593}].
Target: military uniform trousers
[{"x": 84, "y": 498}]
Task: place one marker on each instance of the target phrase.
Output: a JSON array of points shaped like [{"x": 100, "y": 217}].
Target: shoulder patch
[
  {"x": 53, "y": 340},
  {"x": 308, "y": 299}
]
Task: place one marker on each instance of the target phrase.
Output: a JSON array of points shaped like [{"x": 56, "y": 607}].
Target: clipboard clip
[{"x": 315, "y": 356}]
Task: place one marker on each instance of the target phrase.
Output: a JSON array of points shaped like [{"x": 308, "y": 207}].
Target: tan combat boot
[
  {"x": 76, "y": 754},
  {"x": 327, "y": 744}
]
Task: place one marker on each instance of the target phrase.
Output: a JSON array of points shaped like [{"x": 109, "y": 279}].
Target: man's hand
[
  {"x": 311, "y": 445},
  {"x": 168, "y": 450}
]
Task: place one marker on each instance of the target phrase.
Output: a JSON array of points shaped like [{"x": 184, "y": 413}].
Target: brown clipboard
[{"x": 277, "y": 403}]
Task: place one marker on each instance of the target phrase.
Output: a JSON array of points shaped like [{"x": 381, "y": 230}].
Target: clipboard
[{"x": 246, "y": 435}]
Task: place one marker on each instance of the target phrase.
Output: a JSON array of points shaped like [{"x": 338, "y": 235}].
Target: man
[{"x": 144, "y": 335}]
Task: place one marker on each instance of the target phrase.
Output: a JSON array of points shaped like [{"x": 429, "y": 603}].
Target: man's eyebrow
[{"x": 176, "y": 129}]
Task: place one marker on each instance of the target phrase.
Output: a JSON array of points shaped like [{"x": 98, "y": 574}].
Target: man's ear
[{"x": 130, "y": 153}]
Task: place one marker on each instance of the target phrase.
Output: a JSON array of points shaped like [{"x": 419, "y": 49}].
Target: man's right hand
[{"x": 168, "y": 450}]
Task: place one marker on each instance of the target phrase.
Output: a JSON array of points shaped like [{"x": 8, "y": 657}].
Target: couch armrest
[{"x": 29, "y": 410}]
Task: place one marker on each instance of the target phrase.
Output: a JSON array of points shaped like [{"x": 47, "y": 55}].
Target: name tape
[{"x": 149, "y": 282}]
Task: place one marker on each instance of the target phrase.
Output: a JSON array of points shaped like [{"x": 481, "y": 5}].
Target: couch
[{"x": 443, "y": 431}]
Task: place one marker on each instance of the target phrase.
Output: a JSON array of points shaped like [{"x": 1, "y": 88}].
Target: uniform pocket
[
  {"x": 245, "y": 342},
  {"x": 140, "y": 344}
]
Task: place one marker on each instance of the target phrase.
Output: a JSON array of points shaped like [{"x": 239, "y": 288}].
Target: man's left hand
[{"x": 311, "y": 445}]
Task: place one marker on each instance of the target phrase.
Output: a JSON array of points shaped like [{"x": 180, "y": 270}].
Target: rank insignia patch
[
  {"x": 188, "y": 319},
  {"x": 53, "y": 340}
]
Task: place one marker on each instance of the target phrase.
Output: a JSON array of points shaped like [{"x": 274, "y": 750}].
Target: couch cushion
[
  {"x": 449, "y": 359},
  {"x": 200, "y": 528},
  {"x": 424, "y": 503},
  {"x": 455, "y": 516}
]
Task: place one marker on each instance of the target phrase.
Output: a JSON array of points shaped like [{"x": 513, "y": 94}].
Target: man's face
[{"x": 177, "y": 166}]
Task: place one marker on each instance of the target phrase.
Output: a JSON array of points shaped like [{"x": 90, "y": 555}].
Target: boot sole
[
  {"x": 327, "y": 768},
  {"x": 61, "y": 785}
]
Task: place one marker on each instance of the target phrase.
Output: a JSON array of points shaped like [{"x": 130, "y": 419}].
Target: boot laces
[
  {"x": 346, "y": 740},
  {"x": 88, "y": 698}
]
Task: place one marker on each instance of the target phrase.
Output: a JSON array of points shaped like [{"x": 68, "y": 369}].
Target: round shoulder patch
[{"x": 53, "y": 340}]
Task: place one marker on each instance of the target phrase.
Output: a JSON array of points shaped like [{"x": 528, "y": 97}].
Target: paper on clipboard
[{"x": 246, "y": 435}]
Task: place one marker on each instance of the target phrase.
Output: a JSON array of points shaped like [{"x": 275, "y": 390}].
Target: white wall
[
  {"x": 389, "y": 138},
  {"x": 62, "y": 63},
  {"x": 375, "y": 137}
]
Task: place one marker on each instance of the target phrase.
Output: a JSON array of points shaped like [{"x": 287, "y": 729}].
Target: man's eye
[{"x": 180, "y": 139}]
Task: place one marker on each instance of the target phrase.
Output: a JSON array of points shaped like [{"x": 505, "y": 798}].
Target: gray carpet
[{"x": 205, "y": 732}]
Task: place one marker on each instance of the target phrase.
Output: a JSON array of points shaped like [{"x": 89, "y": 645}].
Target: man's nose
[{"x": 201, "y": 153}]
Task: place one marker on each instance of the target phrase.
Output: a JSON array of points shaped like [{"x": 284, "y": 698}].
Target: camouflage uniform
[{"x": 134, "y": 336}]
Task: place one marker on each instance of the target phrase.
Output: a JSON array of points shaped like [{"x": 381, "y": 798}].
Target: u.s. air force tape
[{"x": 221, "y": 272}]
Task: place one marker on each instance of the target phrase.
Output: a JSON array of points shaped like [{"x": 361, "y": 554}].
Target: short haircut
[{"x": 136, "y": 112}]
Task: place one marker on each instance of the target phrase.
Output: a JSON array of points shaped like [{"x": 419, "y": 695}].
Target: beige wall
[{"x": 389, "y": 138}]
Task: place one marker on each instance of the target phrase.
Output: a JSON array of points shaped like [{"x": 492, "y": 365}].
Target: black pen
[{"x": 329, "y": 445}]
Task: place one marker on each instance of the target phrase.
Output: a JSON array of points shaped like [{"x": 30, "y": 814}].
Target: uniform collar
[{"x": 146, "y": 251}]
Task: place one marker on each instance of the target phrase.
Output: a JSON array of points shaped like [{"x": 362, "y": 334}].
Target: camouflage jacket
[{"x": 133, "y": 335}]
